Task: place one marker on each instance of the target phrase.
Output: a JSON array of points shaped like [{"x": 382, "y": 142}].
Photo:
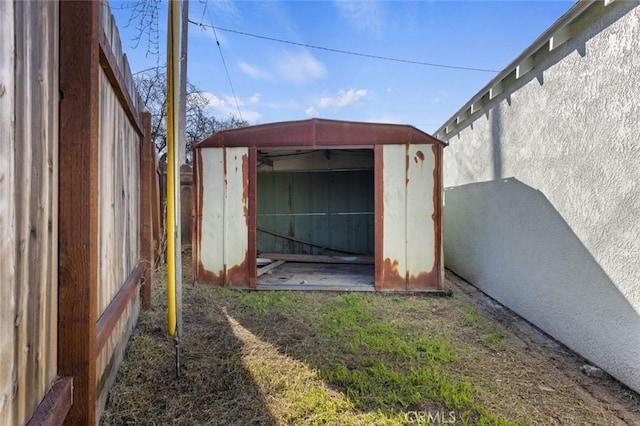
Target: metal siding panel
[
  {"x": 212, "y": 224},
  {"x": 394, "y": 218},
  {"x": 266, "y": 207},
  {"x": 420, "y": 217},
  {"x": 317, "y": 207},
  {"x": 236, "y": 208}
]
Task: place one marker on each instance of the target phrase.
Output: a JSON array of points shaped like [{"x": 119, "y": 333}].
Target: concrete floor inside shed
[{"x": 318, "y": 276}]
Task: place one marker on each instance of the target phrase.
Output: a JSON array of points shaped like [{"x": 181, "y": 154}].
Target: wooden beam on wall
[
  {"x": 53, "y": 409},
  {"x": 78, "y": 205},
  {"x": 147, "y": 182},
  {"x": 110, "y": 317}
]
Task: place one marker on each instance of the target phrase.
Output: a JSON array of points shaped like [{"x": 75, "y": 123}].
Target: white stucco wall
[{"x": 542, "y": 199}]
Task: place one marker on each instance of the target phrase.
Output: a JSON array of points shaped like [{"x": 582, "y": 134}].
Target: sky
[{"x": 275, "y": 81}]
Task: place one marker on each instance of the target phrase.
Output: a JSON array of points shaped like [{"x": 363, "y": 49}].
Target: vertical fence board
[
  {"x": 147, "y": 175},
  {"x": 78, "y": 221},
  {"x": 7, "y": 214},
  {"x": 36, "y": 119}
]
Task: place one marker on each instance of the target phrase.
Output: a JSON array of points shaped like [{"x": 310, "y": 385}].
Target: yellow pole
[{"x": 172, "y": 127}]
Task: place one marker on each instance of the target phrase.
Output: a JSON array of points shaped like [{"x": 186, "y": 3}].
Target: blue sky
[{"x": 278, "y": 82}]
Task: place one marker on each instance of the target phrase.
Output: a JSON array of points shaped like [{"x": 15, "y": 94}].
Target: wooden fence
[
  {"x": 77, "y": 180},
  {"x": 28, "y": 209}
]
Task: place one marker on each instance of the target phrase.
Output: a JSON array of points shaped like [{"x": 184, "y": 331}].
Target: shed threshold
[{"x": 318, "y": 276}]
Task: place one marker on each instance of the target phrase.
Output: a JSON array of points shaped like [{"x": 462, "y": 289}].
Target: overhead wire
[
  {"x": 345, "y": 52},
  {"x": 224, "y": 63}
]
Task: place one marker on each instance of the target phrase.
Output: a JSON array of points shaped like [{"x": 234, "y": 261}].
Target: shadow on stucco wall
[{"x": 508, "y": 240}]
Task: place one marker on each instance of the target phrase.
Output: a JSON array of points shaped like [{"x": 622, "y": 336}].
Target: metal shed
[{"x": 316, "y": 191}]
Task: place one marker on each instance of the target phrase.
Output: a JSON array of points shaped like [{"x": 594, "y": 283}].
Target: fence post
[
  {"x": 78, "y": 208},
  {"x": 147, "y": 180}
]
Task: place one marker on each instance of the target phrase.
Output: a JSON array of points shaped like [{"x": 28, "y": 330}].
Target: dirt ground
[{"x": 233, "y": 349}]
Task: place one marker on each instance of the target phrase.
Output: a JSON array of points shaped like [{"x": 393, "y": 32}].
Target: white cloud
[
  {"x": 342, "y": 98},
  {"x": 212, "y": 100},
  {"x": 254, "y": 72},
  {"x": 255, "y": 98},
  {"x": 311, "y": 111},
  {"x": 224, "y": 107},
  {"x": 389, "y": 90},
  {"x": 362, "y": 15},
  {"x": 299, "y": 68}
]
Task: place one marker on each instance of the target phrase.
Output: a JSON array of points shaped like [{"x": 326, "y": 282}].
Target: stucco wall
[{"x": 542, "y": 199}]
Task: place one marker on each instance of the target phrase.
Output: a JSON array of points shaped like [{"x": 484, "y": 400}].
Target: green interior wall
[{"x": 331, "y": 209}]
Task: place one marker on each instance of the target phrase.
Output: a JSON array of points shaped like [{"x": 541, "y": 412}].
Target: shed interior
[{"x": 316, "y": 207}]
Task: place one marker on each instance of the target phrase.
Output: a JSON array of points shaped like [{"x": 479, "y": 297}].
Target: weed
[
  {"x": 496, "y": 338},
  {"x": 471, "y": 316}
]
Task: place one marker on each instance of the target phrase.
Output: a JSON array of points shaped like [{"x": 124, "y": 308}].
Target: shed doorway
[{"x": 315, "y": 219}]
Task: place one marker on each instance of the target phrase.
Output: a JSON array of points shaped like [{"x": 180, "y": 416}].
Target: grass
[
  {"x": 313, "y": 358},
  {"x": 380, "y": 366}
]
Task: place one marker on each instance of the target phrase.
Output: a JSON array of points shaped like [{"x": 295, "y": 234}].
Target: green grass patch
[
  {"x": 263, "y": 302},
  {"x": 496, "y": 338},
  {"x": 388, "y": 366},
  {"x": 472, "y": 317}
]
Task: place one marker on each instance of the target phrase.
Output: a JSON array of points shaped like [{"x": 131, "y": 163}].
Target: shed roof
[{"x": 317, "y": 132}]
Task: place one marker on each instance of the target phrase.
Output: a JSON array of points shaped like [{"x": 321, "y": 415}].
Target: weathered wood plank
[
  {"x": 269, "y": 267},
  {"x": 157, "y": 237},
  {"x": 117, "y": 80},
  {"x": 112, "y": 354},
  {"x": 56, "y": 404},
  {"x": 78, "y": 221},
  {"x": 36, "y": 95},
  {"x": 147, "y": 175},
  {"x": 310, "y": 258},
  {"x": 113, "y": 313},
  {"x": 7, "y": 212}
]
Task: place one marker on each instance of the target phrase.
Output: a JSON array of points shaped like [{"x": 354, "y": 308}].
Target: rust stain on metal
[
  {"x": 407, "y": 164},
  {"x": 424, "y": 280},
  {"x": 318, "y": 133},
  {"x": 245, "y": 187},
  {"x": 391, "y": 278},
  {"x": 437, "y": 215},
  {"x": 378, "y": 237},
  {"x": 224, "y": 166},
  {"x": 204, "y": 276},
  {"x": 252, "y": 218},
  {"x": 419, "y": 156},
  {"x": 238, "y": 275}
]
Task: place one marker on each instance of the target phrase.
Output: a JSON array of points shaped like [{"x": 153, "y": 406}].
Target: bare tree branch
[{"x": 200, "y": 122}]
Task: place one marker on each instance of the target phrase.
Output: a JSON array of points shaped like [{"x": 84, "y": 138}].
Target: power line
[
  {"x": 226, "y": 69},
  {"x": 345, "y": 52}
]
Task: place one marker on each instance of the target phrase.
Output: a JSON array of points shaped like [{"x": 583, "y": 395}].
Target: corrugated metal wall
[
  {"x": 333, "y": 210},
  {"x": 223, "y": 246},
  {"x": 410, "y": 224}
]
